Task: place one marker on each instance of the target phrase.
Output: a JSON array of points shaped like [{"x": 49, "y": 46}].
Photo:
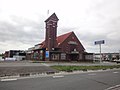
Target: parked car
[
  {"x": 114, "y": 60},
  {"x": 10, "y": 59},
  {"x": 118, "y": 61}
]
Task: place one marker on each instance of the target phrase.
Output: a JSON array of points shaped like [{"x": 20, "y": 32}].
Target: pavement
[
  {"x": 23, "y": 68},
  {"x": 99, "y": 80},
  {"x": 28, "y": 69},
  {"x": 18, "y": 63}
]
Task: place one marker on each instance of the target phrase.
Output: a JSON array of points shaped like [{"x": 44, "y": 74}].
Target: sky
[{"x": 22, "y": 22}]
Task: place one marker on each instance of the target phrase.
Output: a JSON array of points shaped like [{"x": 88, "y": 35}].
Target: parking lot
[{"x": 14, "y": 68}]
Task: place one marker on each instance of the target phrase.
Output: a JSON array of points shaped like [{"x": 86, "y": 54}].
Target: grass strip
[{"x": 83, "y": 68}]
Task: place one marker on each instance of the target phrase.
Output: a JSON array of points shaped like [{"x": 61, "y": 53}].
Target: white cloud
[{"x": 22, "y": 22}]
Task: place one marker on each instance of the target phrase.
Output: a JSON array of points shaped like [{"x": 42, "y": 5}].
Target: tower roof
[{"x": 52, "y": 17}]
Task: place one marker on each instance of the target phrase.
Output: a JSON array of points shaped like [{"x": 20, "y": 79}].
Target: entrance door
[{"x": 74, "y": 57}]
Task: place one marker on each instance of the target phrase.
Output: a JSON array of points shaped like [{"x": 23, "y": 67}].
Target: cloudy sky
[{"x": 22, "y": 22}]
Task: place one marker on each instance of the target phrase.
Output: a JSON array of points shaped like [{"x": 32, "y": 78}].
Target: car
[
  {"x": 114, "y": 60},
  {"x": 118, "y": 61}
]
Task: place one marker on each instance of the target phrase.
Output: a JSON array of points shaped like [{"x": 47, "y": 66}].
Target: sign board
[
  {"x": 99, "y": 42},
  {"x": 73, "y": 42},
  {"x": 47, "y": 54}
]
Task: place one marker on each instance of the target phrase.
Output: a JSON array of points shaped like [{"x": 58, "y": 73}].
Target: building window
[
  {"x": 36, "y": 55},
  {"x": 63, "y": 56},
  {"x": 55, "y": 56}
]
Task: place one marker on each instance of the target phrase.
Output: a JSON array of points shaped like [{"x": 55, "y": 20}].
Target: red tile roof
[
  {"x": 42, "y": 44},
  {"x": 60, "y": 39}
]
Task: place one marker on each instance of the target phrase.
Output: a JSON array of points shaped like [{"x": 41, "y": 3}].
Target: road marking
[
  {"x": 45, "y": 64},
  {"x": 115, "y": 72},
  {"x": 113, "y": 88},
  {"x": 8, "y": 79},
  {"x": 58, "y": 76},
  {"x": 92, "y": 74}
]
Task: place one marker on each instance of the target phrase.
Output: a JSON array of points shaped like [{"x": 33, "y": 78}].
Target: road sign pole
[
  {"x": 119, "y": 54},
  {"x": 99, "y": 43},
  {"x": 100, "y": 53}
]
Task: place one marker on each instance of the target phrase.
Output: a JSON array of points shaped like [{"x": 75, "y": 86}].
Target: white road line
[
  {"x": 8, "y": 79},
  {"x": 45, "y": 64},
  {"x": 115, "y": 72},
  {"x": 114, "y": 87},
  {"x": 58, "y": 76},
  {"x": 92, "y": 74}
]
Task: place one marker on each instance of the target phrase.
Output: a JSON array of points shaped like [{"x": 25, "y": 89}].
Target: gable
[{"x": 71, "y": 39}]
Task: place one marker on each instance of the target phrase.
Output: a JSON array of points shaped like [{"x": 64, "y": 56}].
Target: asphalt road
[
  {"x": 15, "y": 68},
  {"x": 82, "y": 81}
]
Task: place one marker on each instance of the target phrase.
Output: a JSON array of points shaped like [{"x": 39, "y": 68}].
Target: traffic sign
[{"x": 99, "y": 42}]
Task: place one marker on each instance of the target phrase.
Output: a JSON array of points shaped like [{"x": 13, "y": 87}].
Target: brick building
[{"x": 64, "y": 47}]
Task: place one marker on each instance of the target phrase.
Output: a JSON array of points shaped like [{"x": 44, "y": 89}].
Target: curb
[{"x": 28, "y": 75}]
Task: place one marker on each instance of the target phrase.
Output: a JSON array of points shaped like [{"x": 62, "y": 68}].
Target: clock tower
[{"x": 51, "y": 32}]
